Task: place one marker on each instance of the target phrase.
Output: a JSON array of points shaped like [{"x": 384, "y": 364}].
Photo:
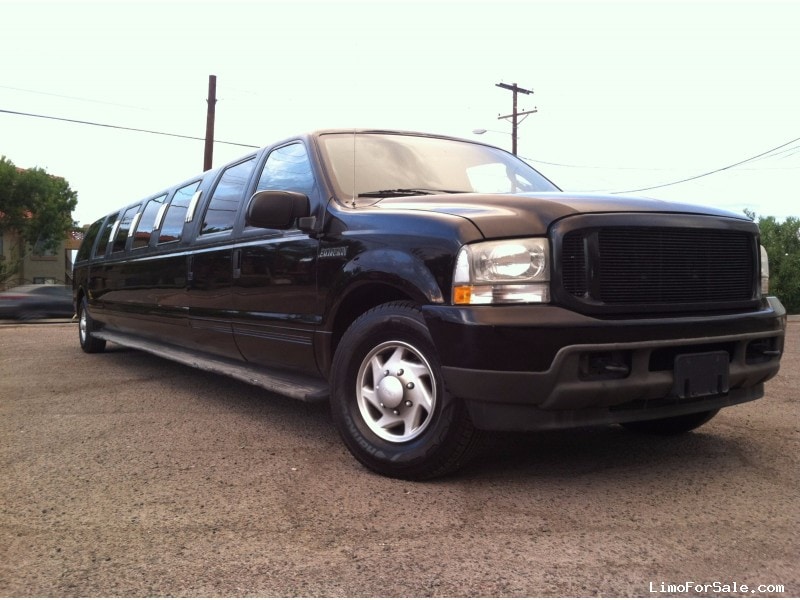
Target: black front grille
[
  {"x": 573, "y": 265},
  {"x": 624, "y": 266}
]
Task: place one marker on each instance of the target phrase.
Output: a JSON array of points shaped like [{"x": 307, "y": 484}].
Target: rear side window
[
  {"x": 147, "y": 222},
  {"x": 124, "y": 228},
  {"x": 172, "y": 227},
  {"x": 105, "y": 235},
  {"x": 224, "y": 204},
  {"x": 88, "y": 241}
]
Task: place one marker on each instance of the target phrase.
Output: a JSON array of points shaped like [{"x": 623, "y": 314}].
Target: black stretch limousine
[{"x": 431, "y": 289}]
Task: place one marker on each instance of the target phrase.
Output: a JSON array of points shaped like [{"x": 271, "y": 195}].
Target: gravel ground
[{"x": 126, "y": 475}]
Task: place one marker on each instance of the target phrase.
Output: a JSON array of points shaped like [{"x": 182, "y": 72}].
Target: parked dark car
[{"x": 29, "y": 302}]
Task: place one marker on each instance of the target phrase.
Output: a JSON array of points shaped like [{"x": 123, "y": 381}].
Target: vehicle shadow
[{"x": 575, "y": 453}]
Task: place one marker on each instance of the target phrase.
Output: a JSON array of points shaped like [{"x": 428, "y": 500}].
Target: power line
[
  {"x": 78, "y": 98},
  {"x": 759, "y": 156},
  {"x": 787, "y": 152},
  {"x": 79, "y": 122},
  {"x": 741, "y": 162},
  {"x": 604, "y": 168},
  {"x": 766, "y": 156}
]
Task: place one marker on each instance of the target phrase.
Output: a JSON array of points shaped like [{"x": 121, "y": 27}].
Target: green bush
[{"x": 782, "y": 241}]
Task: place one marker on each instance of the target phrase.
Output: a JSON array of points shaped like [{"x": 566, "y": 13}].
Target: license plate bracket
[{"x": 702, "y": 374}]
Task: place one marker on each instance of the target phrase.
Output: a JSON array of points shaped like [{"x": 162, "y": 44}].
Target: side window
[
  {"x": 172, "y": 227},
  {"x": 222, "y": 208},
  {"x": 105, "y": 236},
  {"x": 88, "y": 241},
  {"x": 287, "y": 168},
  {"x": 124, "y": 227},
  {"x": 147, "y": 222}
]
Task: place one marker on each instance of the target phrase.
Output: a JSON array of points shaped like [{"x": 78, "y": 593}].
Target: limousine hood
[{"x": 505, "y": 215}]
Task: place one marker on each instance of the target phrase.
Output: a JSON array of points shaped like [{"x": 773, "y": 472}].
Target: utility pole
[
  {"x": 513, "y": 116},
  {"x": 212, "y": 101}
]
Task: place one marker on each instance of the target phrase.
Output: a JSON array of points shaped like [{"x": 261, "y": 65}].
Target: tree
[
  {"x": 36, "y": 206},
  {"x": 782, "y": 241}
]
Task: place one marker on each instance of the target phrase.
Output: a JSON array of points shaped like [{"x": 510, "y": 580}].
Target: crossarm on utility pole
[{"x": 515, "y": 89}]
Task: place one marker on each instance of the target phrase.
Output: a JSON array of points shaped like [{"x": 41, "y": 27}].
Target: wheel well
[{"x": 357, "y": 303}]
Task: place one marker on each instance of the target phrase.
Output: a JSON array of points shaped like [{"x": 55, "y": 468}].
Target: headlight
[
  {"x": 508, "y": 271},
  {"x": 764, "y": 272}
]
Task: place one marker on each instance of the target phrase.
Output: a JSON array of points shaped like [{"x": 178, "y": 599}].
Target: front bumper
[{"x": 543, "y": 367}]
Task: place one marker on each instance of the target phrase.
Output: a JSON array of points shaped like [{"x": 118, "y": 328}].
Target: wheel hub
[
  {"x": 396, "y": 391},
  {"x": 390, "y": 392}
]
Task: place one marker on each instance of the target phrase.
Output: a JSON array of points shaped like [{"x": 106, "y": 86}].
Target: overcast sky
[{"x": 629, "y": 95}]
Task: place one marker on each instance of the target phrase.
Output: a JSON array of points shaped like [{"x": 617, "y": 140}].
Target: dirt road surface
[{"x": 126, "y": 475}]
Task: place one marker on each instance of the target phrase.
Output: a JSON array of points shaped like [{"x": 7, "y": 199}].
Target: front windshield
[{"x": 365, "y": 166}]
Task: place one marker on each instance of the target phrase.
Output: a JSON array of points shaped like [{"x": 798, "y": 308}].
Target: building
[{"x": 22, "y": 263}]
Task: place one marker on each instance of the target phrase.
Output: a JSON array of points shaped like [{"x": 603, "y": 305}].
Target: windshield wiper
[{"x": 407, "y": 192}]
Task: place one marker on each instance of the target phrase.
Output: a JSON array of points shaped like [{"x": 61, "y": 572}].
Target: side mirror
[{"x": 272, "y": 209}]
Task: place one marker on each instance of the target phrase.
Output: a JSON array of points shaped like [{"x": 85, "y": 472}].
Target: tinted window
[
  {"x": 88, "y": 240},
  {"x": 361, "y": 165},
  {"x": 123, "y": 229},
  {"x": 224, "y": 204},
  {"x": 172, "y": 227},
  {"x": 105, "y": 235},
  {"x": 147, "y": 222},
  {"x": 287, "y": 168}
]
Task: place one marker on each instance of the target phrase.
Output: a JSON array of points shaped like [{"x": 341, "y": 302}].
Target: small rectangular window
[
  {"x": 88, "y": 240},
  {"x": 147, "y": 222},
  {"x": 105, "y": 236},
  {"x": 224, "y": 204},
  {"x": 175, "y": 217},
  {"x": 121, "y": 238},
  {"x": 40, "y": 250}
]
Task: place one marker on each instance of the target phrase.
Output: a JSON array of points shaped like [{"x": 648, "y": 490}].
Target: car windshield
[{"x": 366, "y": 166}]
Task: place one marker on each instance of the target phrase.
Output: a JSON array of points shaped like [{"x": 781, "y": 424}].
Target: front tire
[
  {"x": 672, "y": 425},
  {"x": 86, "y": 326},
  {"x": 389, "y": 400}
]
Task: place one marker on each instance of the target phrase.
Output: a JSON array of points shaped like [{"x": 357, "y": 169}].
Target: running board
[{"x": 300, "y": 387}]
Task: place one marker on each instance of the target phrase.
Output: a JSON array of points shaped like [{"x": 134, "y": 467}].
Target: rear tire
[
  {"x": 672, "y": 425},
  {"x": 389, "y": 400},
  {"x": 86, "y": 326}
]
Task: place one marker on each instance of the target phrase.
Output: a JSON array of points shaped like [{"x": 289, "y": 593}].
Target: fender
[
  {"x": 370, "y": 278},
  {"x": 397, "y": 268}
]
